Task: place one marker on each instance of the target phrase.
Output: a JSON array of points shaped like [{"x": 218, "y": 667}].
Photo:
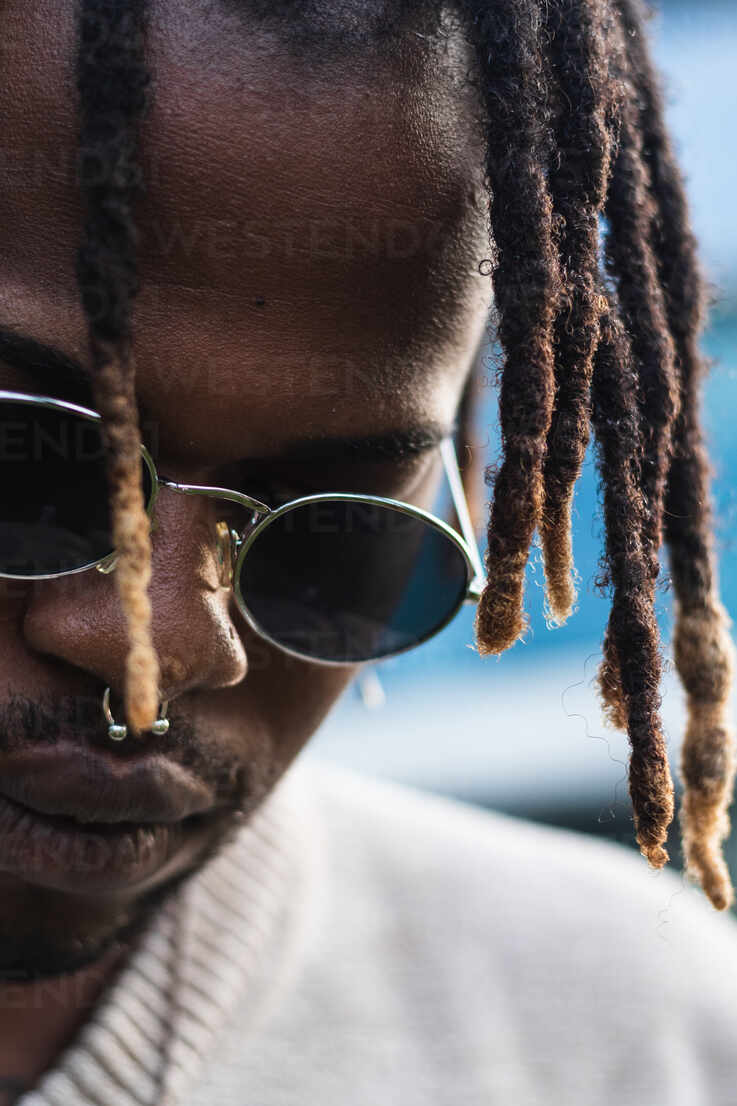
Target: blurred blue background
[{"x": 524, "y": 732}]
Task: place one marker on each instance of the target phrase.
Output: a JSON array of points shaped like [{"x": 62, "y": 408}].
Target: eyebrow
[
  {"x": 394, "y": 445},
  {"x": 48, "y": 365}
]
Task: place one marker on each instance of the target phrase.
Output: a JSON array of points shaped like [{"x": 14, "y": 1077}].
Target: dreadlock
[
  {"x": 112, "y": 81},
  {"x": 630, "y": 260},
  {"x": 599, "y": 305},
  {"x": 526, "y": 281}
]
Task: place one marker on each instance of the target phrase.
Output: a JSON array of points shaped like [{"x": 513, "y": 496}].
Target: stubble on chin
[{"x": 41, "y": 953}]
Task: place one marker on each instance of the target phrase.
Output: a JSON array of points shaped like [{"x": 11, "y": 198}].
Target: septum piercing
[{"x": 117, "y": 732}]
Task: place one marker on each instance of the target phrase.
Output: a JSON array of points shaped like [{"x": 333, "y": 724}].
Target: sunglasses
[{"x": 335, "y": 578}]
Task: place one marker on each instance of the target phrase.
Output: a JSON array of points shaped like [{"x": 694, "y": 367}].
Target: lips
[
  {"x": 80, "y": 820},
  {"x": 91, "y": 786}
]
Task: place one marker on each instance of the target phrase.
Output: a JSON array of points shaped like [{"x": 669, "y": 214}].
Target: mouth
[{"x": 82, "y": 821}]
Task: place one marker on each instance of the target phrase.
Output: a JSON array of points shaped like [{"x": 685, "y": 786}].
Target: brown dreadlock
[{"x": 599, "y": 303}]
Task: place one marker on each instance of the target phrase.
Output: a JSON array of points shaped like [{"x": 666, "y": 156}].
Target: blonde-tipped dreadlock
[
  {"x": 112, "y": 81},
  {"x": 527, "y": 291},
  {"x": 578, "y": 181}
]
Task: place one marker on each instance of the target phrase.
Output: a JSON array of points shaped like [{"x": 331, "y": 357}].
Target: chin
[
  {"x": 47, "y": 935},
  {"x": 49, "y": 932}
]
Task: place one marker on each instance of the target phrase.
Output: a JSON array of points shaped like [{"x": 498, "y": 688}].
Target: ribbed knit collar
[{"x": 223, "y": 939}]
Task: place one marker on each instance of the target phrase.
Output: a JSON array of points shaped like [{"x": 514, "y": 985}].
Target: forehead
[{"x": 310, "y": 234}]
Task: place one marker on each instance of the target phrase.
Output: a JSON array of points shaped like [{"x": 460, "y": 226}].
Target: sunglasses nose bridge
[{"x": 228, "y": 540}]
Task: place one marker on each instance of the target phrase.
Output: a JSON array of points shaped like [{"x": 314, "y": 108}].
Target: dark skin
[{"x": 296, "y": 284}]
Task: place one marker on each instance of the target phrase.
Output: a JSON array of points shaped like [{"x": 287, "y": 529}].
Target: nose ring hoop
[
  {"x": 225, "y": 550},
  {"x": 117, "y": 732}
]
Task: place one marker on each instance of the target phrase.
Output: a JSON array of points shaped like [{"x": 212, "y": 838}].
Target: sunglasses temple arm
[{"x": 460, "y": 503}]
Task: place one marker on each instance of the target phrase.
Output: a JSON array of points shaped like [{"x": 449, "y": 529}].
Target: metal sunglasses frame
[{"x": 262, "y": 516}]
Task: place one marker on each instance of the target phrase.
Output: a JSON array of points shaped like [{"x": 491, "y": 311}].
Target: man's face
[{"x": 309, "y": 248}]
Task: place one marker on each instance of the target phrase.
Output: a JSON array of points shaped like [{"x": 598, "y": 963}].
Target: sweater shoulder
[
  {"x": 540, "y": 906},
  {"x": 459, "y": 955}
]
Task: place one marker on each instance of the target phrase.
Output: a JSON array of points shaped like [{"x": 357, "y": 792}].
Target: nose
[{"x": 79, "y": 620}]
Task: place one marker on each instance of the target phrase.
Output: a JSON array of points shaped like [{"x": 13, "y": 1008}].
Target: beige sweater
[{"x": 360, "y": 944}]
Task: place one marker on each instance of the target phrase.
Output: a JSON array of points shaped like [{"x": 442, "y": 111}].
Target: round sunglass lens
[
  {"x": 346, "y": 581},
  {"x": 54, "y": 516}
]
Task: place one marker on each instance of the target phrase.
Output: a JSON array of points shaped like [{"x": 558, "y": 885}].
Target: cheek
[
  {"x": 272, "y": 714},
  {"x": 295, "y": 697}
]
